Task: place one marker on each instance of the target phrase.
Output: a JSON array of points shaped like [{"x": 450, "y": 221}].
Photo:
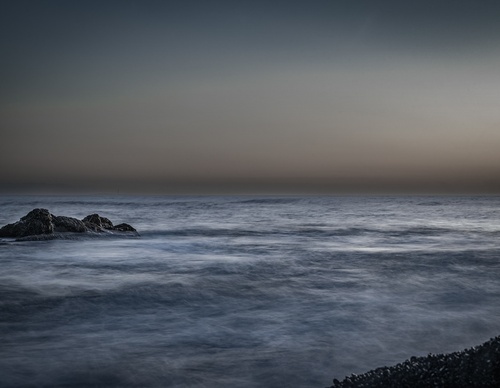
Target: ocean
[{"x": 245, "y": 291}]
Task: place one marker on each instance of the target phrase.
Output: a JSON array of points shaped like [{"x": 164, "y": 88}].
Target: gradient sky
[{"x": 250, "y": 96}]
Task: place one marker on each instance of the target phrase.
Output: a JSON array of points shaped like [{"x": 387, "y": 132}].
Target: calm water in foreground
[{"x": 246, "y": 291}]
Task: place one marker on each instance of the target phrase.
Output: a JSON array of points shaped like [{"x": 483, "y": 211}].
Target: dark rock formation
[
  {"x": 475, "y": 367},
  {"x": 68, "y": 224},
  {"x": 39, "y": 222},
  {"x": 124, "y": 228},
  {"x": 97, "y": 223}
]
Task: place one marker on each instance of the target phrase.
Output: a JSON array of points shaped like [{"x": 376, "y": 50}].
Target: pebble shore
[{"x": 478, "y": 366}]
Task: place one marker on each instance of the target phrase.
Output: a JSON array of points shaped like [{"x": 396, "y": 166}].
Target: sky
[{"x": 223, "y": 97}]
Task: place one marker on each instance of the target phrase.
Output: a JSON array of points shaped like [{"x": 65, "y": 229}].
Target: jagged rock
[
  {"x": 124, "y": 228},
  {"x": 68, "y": 224},
  {"x": 39, "y": 222},
  {"x": 97, "y": 223}
]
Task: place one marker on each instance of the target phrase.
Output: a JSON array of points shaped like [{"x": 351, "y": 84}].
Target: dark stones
[
  {"x": 97, "y": 223},
  {"x": 124, "y": 228},
  {"x": 68, "y": 224},
  {"x": 478, "y": 366},
  {"x": 39, "y": 222}
]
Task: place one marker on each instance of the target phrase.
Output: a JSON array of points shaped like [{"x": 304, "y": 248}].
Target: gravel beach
[{"x": 478, "y": 366}]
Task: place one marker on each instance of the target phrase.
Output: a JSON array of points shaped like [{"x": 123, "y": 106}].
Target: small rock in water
[
  {"x": 97, "y": 223},
  {"x": 40, "y": 223},
  {"x": 124, "y": 228}
]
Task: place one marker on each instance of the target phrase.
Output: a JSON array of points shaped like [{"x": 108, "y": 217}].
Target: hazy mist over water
[{"x": 246, "y": 291}]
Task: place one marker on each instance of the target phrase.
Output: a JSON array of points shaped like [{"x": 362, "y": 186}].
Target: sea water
[{"x": 245, "y": 291}]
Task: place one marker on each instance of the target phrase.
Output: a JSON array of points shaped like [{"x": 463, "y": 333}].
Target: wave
[
  {"x": 269, "y": 201},
  {"x": 73, "y": 236},
  {"x": 420, "y": 231},
  {"x": 19, "y": 303},
  {"x": 300, "y": 232},
  {"x": 293, "y": 232},
  {"x": 430, "y": 203}
]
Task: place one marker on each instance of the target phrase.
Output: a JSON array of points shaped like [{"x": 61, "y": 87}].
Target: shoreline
[{"x": 478, "y": 366}]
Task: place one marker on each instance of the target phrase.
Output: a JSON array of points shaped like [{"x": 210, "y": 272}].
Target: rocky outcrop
[
  {"x": 68, "y": 224},
  {"x": 97, "y": 223},
  {"x": 37, "y": 221},
  {"x": 124, "y": 228},
  {"x": 40, "y": 222},
  {"x": 475, "y": 367}
]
